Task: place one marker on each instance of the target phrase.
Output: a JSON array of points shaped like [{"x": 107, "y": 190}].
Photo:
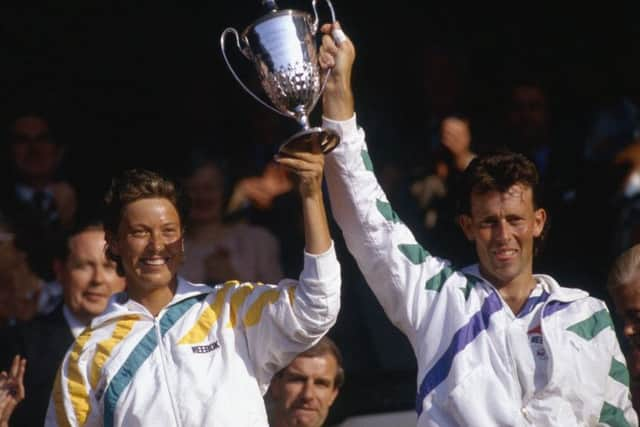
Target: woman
[
  {"x": 169, "y": 352},
  {"x": 220, "y": 250}
]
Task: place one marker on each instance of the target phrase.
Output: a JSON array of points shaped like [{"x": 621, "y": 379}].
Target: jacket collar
[
  {"x": 558, "y": 293},
  {"x": 121, "y": 305}
]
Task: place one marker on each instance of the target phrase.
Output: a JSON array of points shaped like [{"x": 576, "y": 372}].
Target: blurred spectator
[
  {"x": 626, "y": 198},
  {"x": 301, "y": 394},
  {"x": 260, "y": 191},
  {"x": 34, "y": 199},
  {"x": 444, "y": 85},
  {"x": 624, "y": 287},
  {"x": 36, "y": 157},
  {"x": 220, "y": 250},
  {"x": 530, "y": 129},
  {"x": 613, "y": 126},
  {"x": 88, "y": 280},
  {"x": 19, "y": 286},
  {"x": 436, "y": 193}
]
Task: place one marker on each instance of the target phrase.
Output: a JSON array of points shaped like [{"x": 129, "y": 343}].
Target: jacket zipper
[
  {"x": 166, "y": 375},
  {"x": 514, "y": 374}
]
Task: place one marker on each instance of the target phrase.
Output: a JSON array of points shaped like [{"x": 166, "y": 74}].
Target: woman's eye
[{"x": 170, "y": 232}]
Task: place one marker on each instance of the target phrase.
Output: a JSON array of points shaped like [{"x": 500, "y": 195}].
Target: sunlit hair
[
  {"x": 499, "y": 171},
  {"x": 625, "y": 268},
  {"x": 133, "y": 185},
  {"x": 323, "y": 347}
]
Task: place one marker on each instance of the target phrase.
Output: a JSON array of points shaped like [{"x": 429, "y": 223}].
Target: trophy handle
[
  {"x": 314, "y": 26},
  {"x": 247, "y": 54},
  {"x": 314, "y": 30}
]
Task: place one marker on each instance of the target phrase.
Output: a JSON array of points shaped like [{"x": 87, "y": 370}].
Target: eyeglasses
[{"x": 20, "y": 138}]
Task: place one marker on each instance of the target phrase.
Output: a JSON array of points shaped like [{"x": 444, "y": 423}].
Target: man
[
  {"x": 624, "y": 287},
  {"x": 88, "y": 280},
  {"x": 301, "y": 394},
  {"x": 33, "y": 198},
  {"x": 36, "y": 157},
  {"x": 495, "y": 344}
]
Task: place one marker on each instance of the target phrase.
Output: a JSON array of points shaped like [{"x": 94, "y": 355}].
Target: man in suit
[
  {"x": 34, "y": 198},
  {"x": 88, "y": 280}
]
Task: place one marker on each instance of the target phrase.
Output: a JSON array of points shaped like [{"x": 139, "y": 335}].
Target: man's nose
[
  {"x": 308, "y": 392},
  {"x": 502, "y": 231}
]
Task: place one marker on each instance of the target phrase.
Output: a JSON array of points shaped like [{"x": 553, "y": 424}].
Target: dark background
[
  {"x": 135, "y": 83},
  {"x": 138, "y": 83}
]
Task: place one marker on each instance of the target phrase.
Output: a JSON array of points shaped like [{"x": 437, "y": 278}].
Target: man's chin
[{"x": 305, "y": 417}]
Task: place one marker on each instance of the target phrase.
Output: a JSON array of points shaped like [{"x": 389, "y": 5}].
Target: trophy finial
[{"x": 270, "y": 5}]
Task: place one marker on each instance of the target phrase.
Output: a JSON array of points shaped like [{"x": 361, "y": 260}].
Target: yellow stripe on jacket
[
  {"x": 58, "y": 401},
  {"x": 202, "y": 327},
  {"x": 78, "y": 392},
  {"x": 105, "y": 347}
]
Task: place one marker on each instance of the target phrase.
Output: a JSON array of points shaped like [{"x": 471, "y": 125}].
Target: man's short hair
[
  {"x": 497, "y": 171},
  {"x": 63, "y": 249},
  {"x": 321, "y": 348}
]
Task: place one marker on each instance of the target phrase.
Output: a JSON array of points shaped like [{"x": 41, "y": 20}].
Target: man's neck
[
  {"x": 516, "y": 292},
  {"x": 76, "y": 321}
]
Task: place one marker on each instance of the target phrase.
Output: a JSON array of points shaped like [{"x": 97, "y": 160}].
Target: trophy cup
[{"x": 281, "y": 45}]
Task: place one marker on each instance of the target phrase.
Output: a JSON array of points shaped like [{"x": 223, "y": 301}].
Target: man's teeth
[
  {"x": 155, "y": 261},
  {"x": 506, "y": 252}
]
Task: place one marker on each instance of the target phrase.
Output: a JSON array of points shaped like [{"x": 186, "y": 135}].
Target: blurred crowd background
[{"x": 91, "y": 88}]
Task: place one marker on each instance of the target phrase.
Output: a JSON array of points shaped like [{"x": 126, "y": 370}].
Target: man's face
[
  {"x": 305, "y": 391},
  {"x": 528, "y": 110},
  {"x": 503, "y": 227},
  {"x": 35, "y": 156},
  {"x": 627, "y": 302},
  {"x": 88, "y": 277}
]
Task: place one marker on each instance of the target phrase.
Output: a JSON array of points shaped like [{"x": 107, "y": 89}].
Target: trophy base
[{"x": 314, "y": 140}]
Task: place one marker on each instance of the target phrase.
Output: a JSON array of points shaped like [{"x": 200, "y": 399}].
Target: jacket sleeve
[
  {"x": 415, "y": 289},
  {"x": 280, "y": 321},
  {"x": 617, "y": 409},
  {"x": 72, "y": 401}
]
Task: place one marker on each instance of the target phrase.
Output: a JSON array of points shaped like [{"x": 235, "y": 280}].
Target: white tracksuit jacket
[
  {"x": 457, "y": 322},
  {"x": 205, "y": 360}
]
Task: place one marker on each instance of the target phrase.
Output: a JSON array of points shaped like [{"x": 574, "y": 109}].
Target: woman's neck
[{"x": 154, "y": 300}]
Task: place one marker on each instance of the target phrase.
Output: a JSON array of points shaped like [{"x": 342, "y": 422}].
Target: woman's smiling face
[{"x": 149, "y": 244}]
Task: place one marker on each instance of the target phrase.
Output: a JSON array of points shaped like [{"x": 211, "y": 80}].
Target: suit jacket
[{"x": 44, "y": 342}]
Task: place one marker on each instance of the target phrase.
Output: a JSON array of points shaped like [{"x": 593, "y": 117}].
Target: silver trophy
[{"x": 282, "y": 46}]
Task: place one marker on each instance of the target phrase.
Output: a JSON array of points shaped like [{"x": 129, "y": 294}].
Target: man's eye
[{"x": 138, "y": 233}]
